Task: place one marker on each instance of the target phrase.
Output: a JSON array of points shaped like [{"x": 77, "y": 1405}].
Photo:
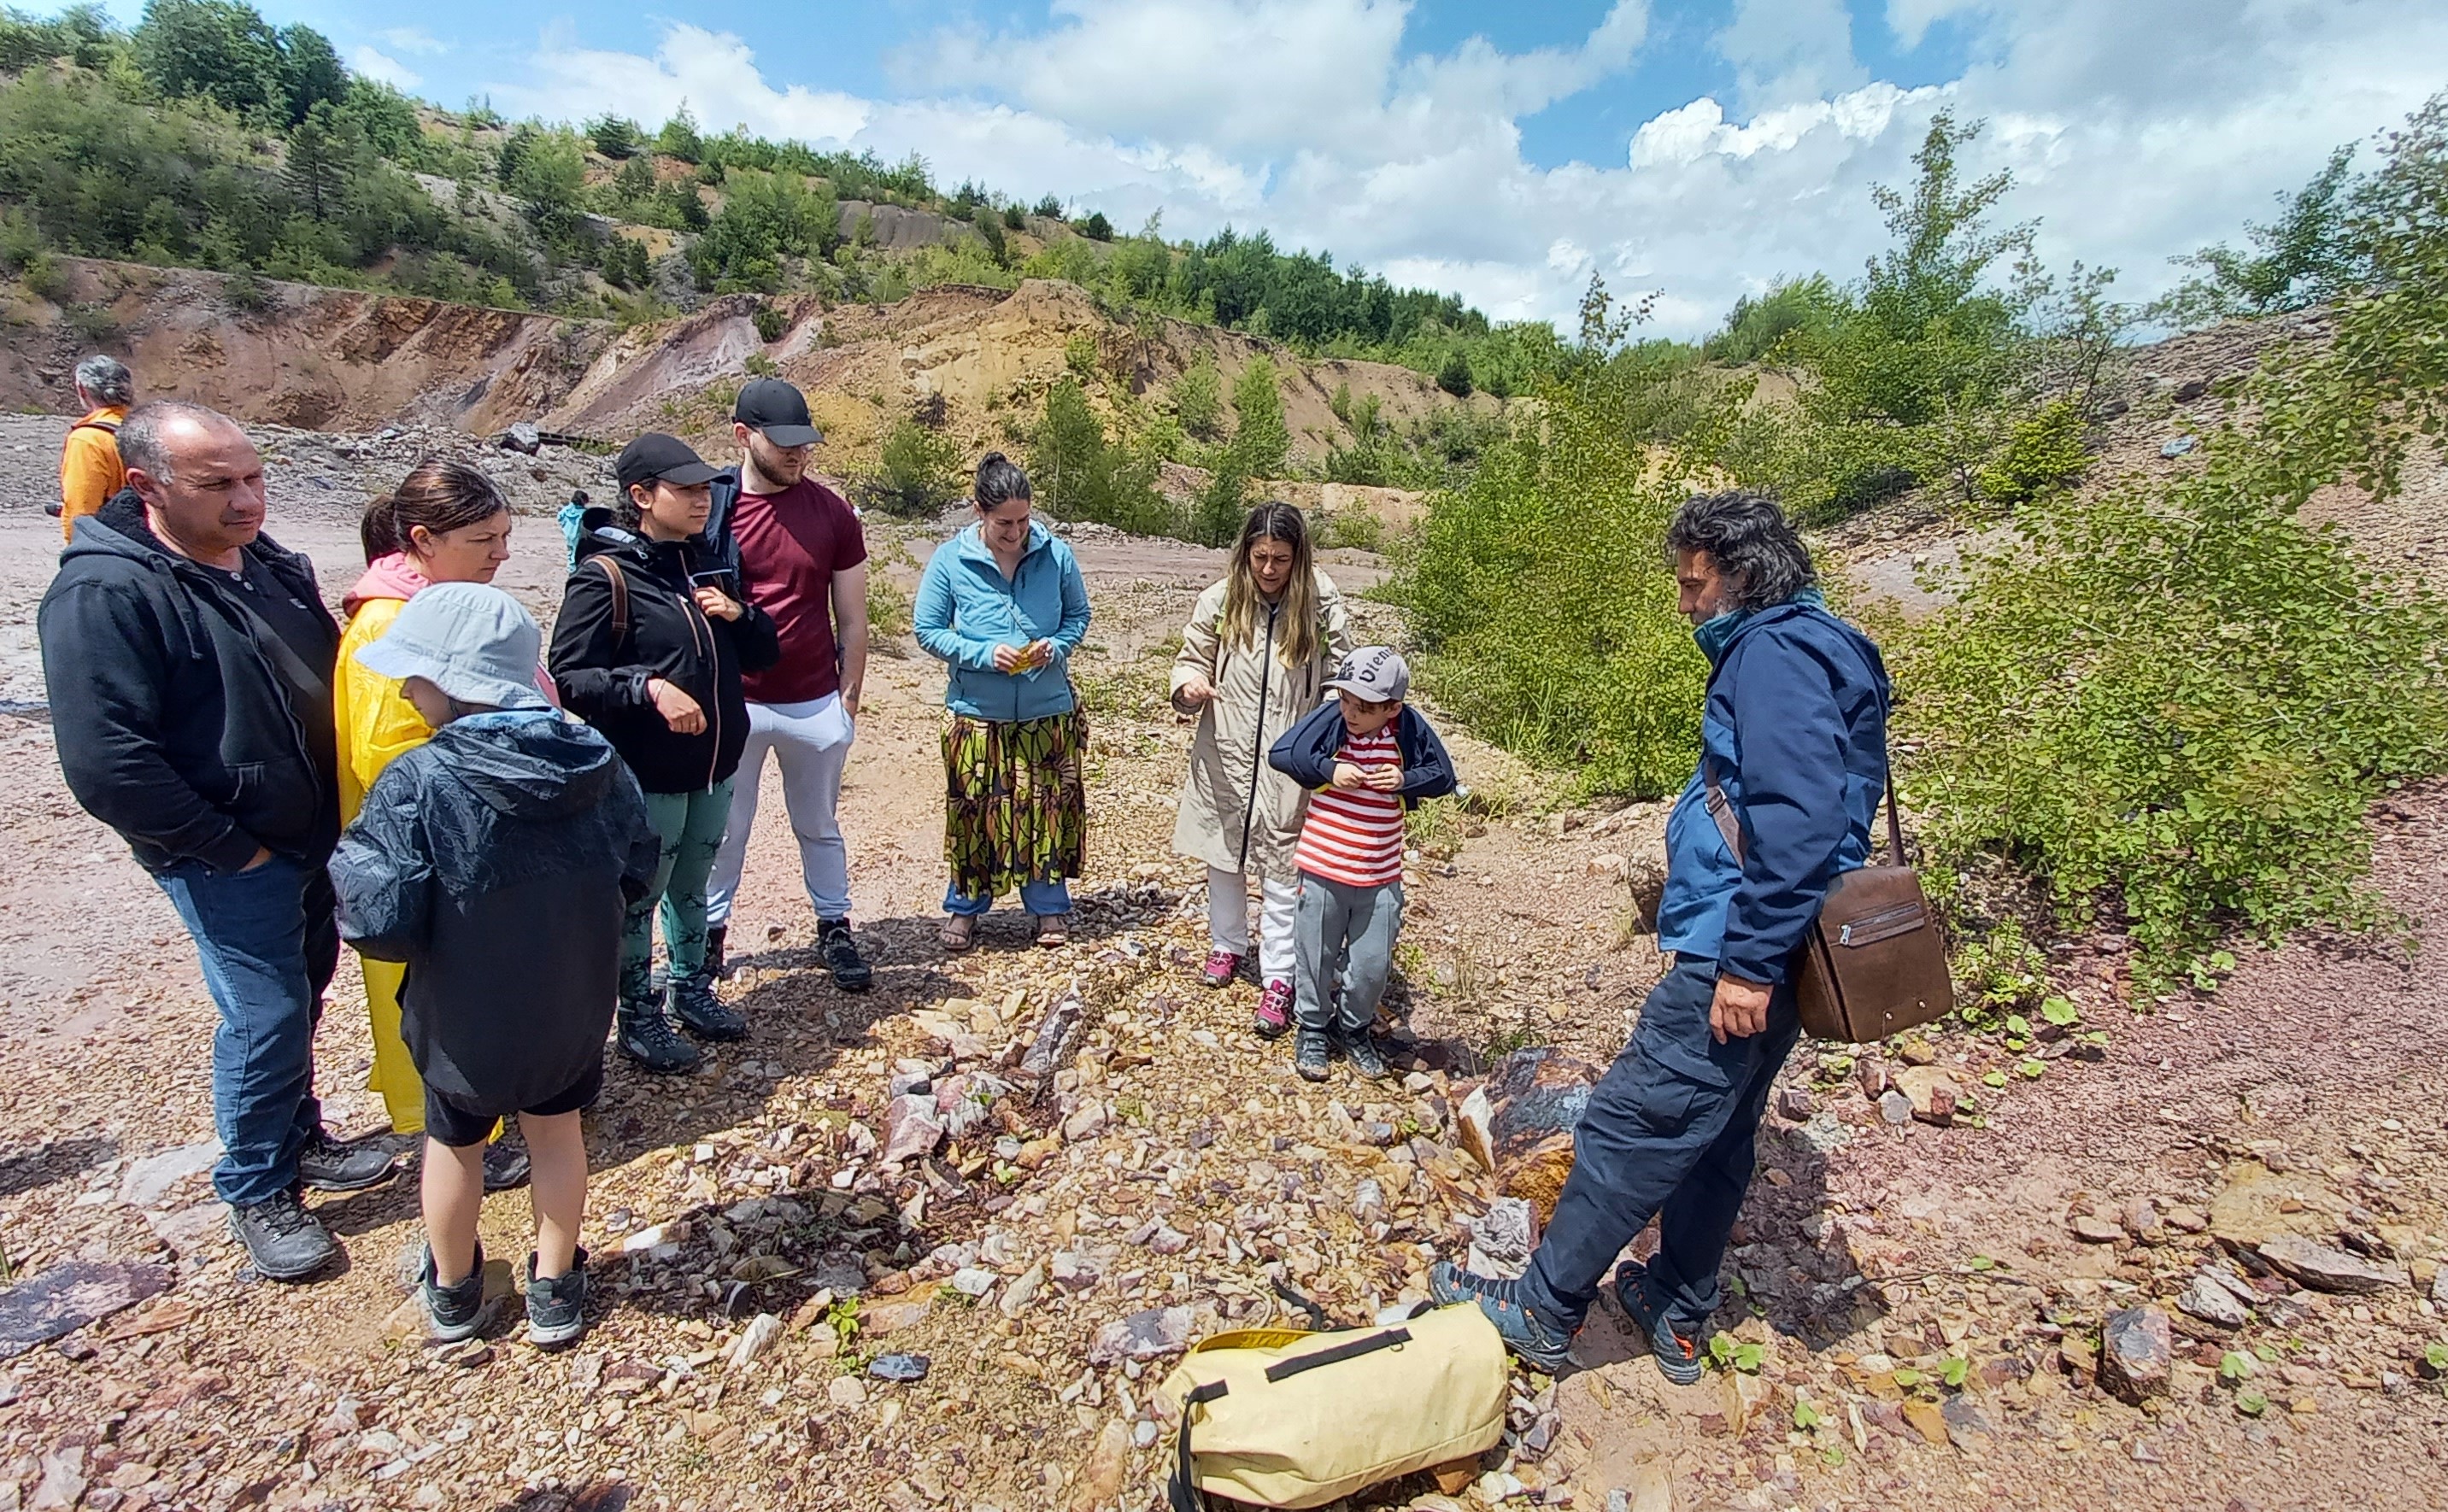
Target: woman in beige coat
[{"x": 1254, "y": 658}]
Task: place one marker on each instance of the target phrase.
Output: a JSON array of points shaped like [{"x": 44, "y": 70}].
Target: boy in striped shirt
[{"x": 1366, "y": 758}]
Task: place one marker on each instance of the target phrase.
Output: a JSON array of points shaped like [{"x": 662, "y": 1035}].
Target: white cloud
[
  {"x": 1785, "y": 50},
  {"x": 2135, "y": 129},
  {"x": 384, "y": 69},
  {"x": 414, "y": 39}
]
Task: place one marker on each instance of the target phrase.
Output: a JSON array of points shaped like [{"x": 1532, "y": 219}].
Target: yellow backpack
[{"x": 1285, "y": 1418}]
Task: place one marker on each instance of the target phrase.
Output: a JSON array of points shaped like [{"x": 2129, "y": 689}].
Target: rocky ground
[{"x": 2244, "y": 1194}]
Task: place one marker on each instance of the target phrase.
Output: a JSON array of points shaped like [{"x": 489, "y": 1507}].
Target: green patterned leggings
[{"x": 690, "y": 825}]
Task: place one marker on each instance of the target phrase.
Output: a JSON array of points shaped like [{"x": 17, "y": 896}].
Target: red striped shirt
[{"x": 1356, "y": 837}]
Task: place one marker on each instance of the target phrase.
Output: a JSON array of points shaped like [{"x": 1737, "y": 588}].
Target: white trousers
[
  {"x": 1228, "y": 920},
  {"x": 811, "y": 740}
]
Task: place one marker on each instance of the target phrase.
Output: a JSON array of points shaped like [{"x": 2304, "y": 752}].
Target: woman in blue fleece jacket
[{"x": 1003, "y": 605}]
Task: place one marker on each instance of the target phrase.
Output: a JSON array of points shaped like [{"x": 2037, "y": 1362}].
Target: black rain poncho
[{"x": 497, "y": 860}]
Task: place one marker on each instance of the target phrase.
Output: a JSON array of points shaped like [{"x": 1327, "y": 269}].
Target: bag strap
[
  {"x": 103, "y": 426},
  {"x": 1722, "y": 810},
  {"x": 1181, "y": 1487},
  {"x": 619, "y": 582}
]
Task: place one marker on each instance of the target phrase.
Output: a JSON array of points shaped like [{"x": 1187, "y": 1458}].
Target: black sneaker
[
  {"x": 850, "y": 972},
  {"x": 716, "y": 935},
  {"x": 1311, "y": 1051},
  {"x": 455, "y": 1312},
  {"x": 704, "y": 1014},
  {"x": 282, "y": 1240},
  {"x": 328, "y": 1165},
  {"x": 1360, "y": 1048},
  {"x": 648, "y": 1038},
  {"x": 557, "y": 1308},
  {"x": 506, "y": 1165},
  {"x": 1677, "y": 1355}
]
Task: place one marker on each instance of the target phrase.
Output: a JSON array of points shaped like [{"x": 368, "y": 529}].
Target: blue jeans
[
  {"x": 268, "y": 940},
  {"x": 1036, "y": 897},
  {"x": 1668, "y": 1134}
]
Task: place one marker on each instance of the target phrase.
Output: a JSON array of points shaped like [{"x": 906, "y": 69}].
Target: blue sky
[{"x": 1696, "y": 147}]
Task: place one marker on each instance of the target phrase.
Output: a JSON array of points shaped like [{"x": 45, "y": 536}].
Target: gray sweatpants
[{"x": 1348, "y": 933}]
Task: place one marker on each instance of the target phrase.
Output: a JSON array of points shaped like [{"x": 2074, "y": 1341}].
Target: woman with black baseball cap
[{"x": 648, "y": 649}]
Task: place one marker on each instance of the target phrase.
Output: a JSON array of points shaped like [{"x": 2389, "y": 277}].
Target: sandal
[
  {"x": 1052, "y": 930},
  {"x": 959, "y": 932}
]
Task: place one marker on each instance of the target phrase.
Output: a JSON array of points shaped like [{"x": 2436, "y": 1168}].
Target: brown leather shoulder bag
[{"x": 1874, "y": 962}]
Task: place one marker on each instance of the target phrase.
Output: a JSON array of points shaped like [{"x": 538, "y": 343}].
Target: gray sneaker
[
  {"x": 456, "y": 1311},
  {"x": 1360, "y": 1048},
  {"x": 556, "y": 1305},
  {"x": 282, "y": 1240}
]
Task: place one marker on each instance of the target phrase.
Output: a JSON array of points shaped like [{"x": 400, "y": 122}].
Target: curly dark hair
[{"x": 1752, "y": 543}]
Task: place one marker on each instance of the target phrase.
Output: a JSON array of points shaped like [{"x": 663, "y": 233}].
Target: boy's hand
[
  {"x": 1384, "y": 779},
  {"x": 1349, "y": 778}
]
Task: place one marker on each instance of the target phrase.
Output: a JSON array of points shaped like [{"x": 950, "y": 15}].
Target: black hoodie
[
  {"x": 497, "y": 860},
  {"x": 171, "y": 703},
  {"x": 602, "y": 676}
]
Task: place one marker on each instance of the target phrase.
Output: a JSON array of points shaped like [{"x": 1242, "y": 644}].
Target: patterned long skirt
[{"x": 1015, "y": 809}]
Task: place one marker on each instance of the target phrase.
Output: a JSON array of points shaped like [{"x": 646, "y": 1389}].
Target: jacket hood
[
  {"x": 390, "y": 577},
  {"x": 971, "y": 543},
  {"x": 119, "y": 529},
  {"x": 599, "y": 536},
  {"x": 531, "y": 764}
]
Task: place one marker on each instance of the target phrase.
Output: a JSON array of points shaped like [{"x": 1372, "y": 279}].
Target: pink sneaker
[
  {"x": 1221, "y": 968},
  {"x": 1274, "y": 1009}
]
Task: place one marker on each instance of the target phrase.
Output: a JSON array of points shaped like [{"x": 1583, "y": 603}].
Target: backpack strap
[
  {"x": 619, "y": 582},
  {"x": 1181, "y": 1490}
]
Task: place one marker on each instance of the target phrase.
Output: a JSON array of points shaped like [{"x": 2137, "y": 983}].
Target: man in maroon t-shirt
[{"x": 804, "y": 559}]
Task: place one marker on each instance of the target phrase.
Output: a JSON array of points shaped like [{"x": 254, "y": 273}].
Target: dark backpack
[{"x": 716, "y": 545}]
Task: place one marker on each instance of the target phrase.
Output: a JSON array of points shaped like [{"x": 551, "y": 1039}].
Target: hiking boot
[
  {"x": 456, "y": 1311},
  {"x": 648, "y": 1038},
  {"x": 1221, "y": 968},
  {"x": 850, "y": 972},
  {"x": 282, "y": 1240},
  {"x": 1311, "y": 1052},
  {"x": 1360, "y": 1048},
  {"x": 704, "y": 1014},
  {"x": 716, "y": 936},
  {"x": 1274, "y": 1009},
  {"x": 506, "y": 1165},
  {"x": 1678, "y": 1357},
  {"x": 1535, "y": 1339},
  {"x": 328, "y": 1165},
  {"x": 557, "y": 1307}
]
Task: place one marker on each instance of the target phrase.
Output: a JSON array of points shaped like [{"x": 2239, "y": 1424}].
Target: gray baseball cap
[
  {"x": 1376, "y": 673},
  {"x": 470, "y": 639}
]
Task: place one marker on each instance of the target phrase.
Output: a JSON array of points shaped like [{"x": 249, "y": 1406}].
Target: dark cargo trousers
[{"x": 1668, "y": 1134}]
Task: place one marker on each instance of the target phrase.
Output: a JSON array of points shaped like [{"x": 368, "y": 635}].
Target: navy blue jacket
[
  {"x": 1305, "y": 753},
  {"x": 1795, "y": 728}
]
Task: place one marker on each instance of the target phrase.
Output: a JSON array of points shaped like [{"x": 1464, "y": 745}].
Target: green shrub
[
  {"x": 1546, "y": 612},
  {"x": 1198, "y": 399},
  {"x": 771, "y": 322},
  {"x": 917, "y": 473},
  {"x": 1080, "y": 475},
  {"x": 2042, "y": 453}
]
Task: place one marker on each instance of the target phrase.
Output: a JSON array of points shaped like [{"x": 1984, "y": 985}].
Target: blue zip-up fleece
[
  {"x": 1795, "y": 728},
  {"x": 1306, "y": 752},
  {"x": 965, "y": 609}
]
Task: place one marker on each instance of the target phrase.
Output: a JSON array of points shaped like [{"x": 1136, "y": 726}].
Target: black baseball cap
[
  {"x": 658, "y": 457},
  {"x": 778, "y": 409}
]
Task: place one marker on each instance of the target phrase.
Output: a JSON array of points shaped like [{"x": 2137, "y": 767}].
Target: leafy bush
[
  {"x": 2179, "y": 699},
  {"x": 1198, "y": 399},
  {"x": 1454, "y": 375},
  {"x": 616, "y": 137},
  {"x": 679, "y": 136},
  {"x": 2043, "y": 452},
  {"x": 917, "y": 473},
  {"x": 1096, "y": 228},
  {"x": 1792, "y": 312},
  {"x": 1545, "y": 609},
  {"x": 2306, "y": 257},
  {"x": 771, "y": 322},
  {"x": 1260, "y": 438},
  {"x": 1080, "y": 475}
]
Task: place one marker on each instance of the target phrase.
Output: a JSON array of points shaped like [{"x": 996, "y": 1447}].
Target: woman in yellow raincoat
[{"x": 445, "y": 523}]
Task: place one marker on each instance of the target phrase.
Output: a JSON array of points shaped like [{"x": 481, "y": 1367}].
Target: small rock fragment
[
  {"x": 2090, "y": 1228},
  {"x": 1895, "y": 1107},
  {"x": 1796, "y": 1104},
  {"x": 1150, "y": 1334},
  {"x": 847, "y": 1391},
  {"x": 2141, "y": 1220},
  {"x": 754, "y": 1340},
  {"x": 899, "y": 1367},
  {"x": 1927, "y": 1419},
  {"x": 2325, "y": 1269},
  {"x": 2136, "y": 1351},
  {"x": 2212, "y": 1303}
]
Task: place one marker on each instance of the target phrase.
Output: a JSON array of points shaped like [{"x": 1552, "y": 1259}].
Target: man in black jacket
[{"x": 191, "y": 663}]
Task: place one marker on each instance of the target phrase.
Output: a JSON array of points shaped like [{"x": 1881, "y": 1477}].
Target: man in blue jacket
[{"x": 1794, "y": 731}]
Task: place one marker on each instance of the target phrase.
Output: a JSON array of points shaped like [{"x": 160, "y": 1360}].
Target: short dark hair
[
  {"x": 1750, "y": 540},
  {"x": 440, "y": 495},
  {"x": 1000, "y": 480},
  {"x": 144, "y": 441}
]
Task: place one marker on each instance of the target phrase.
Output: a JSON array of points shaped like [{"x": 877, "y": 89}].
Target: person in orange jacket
[
  {"x": 90, "y": 472},
  {"x": 445, "y": 523}
]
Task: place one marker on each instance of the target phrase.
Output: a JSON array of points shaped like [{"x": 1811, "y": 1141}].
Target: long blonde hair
[{"x": 1296, "y": 641}]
